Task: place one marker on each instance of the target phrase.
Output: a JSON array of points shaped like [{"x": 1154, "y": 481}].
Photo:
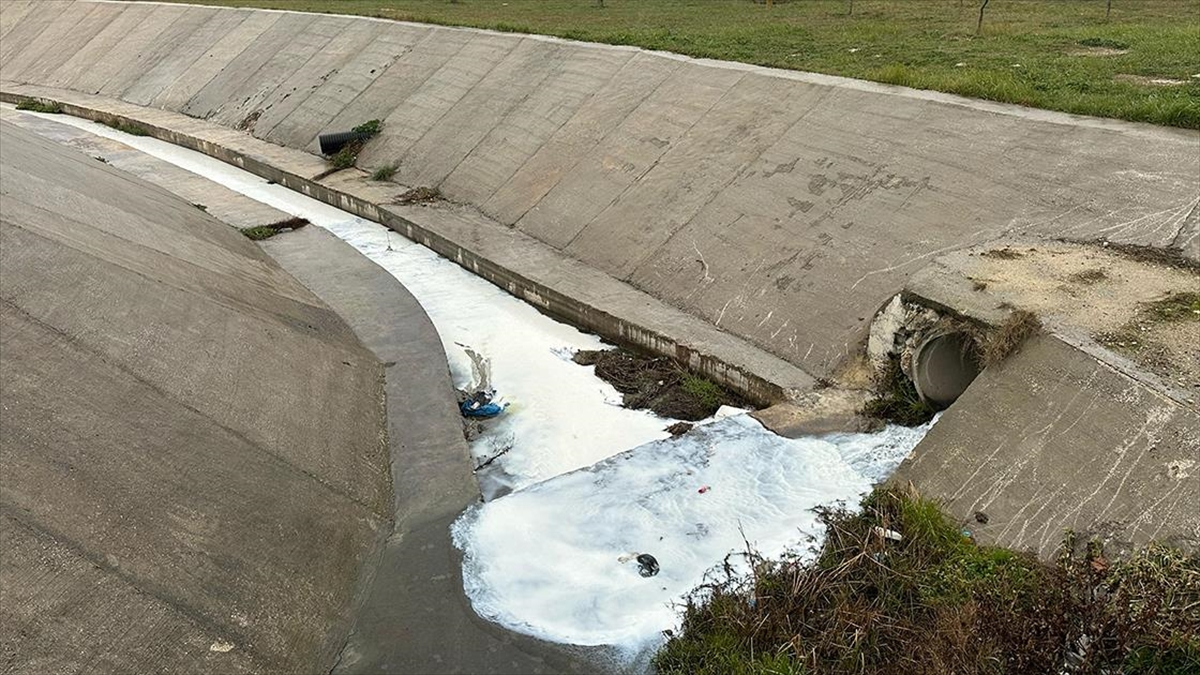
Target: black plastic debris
[{"x": 647, "y": 565}]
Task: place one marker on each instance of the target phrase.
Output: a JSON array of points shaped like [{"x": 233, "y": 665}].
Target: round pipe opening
[{"x": 943, "y": 366}]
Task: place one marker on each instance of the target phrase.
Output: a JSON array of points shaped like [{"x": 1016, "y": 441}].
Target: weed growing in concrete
[
  {"x": 1008, "y": 337},
  {"x": 346, "y": 157},
  {"x": 896, "y": 400},
  {"x": 126, "y": 127},
  {"x": 385, "y": 172},
  {"x": 371, "y": 128},
  {"x": 260, "y": 232},
  {"x": 901, "y": 587},
  {"x": 34, "y": 105}
]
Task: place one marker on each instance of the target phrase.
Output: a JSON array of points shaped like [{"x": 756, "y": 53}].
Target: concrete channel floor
[{"x": 413, "y": 616}]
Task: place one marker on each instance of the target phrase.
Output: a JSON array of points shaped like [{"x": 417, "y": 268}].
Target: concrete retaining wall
[
  {"x": 781, "y": 207},
  {"x": 1054, "y": 439},
  {"x": 194, "y": 466}
]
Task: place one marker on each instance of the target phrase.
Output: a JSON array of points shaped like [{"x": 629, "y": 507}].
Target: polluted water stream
[{"x": 597, "y": 523}]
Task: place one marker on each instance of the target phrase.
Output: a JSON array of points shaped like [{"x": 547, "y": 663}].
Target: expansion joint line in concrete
[
  {"x": 597, "y": 143},
  {"x": 277, "y": 459},
  {"x": 653, "y": 164},
  {"x": 27, "y": 520}
]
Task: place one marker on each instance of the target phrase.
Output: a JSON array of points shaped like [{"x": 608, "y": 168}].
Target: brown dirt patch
[
  {"x": 658, "y": 384},
  {"x": 1006, "y": 253},
  {"x": 1097, "y": 51},
  {"x": 1089, "y": 276}
]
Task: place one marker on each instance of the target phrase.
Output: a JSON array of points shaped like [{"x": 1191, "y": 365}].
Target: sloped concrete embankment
[
  {"x": 782, "y": 208},
  {"x": 194, "y": 467},
  {"x": 1055, "y": 439}
]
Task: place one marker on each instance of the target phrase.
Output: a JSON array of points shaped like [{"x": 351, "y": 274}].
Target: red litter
[{"x": 704, "y": 489}]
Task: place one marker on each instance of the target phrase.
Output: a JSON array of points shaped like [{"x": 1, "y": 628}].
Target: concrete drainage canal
[{"x": 625, "y": 518}]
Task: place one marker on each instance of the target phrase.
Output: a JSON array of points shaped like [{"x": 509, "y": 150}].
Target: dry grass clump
[
  {"x": 896, "y": 400},
  {"x": 1008, "y": 337},
  {"x": 419, "y": 195},
  {"x": 1089, "y": 276},
  {"x": 261, "y": 232}
]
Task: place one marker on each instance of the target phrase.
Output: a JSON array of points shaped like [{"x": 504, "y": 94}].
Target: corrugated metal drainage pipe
[
  {"x": 943, "y": 366},
  {"x": 331, "y": 143}
]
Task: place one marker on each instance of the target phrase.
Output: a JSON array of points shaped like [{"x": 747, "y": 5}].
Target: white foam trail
[{"x": 554, "y": 560}]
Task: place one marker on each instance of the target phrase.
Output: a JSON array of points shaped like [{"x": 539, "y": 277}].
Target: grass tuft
[
  {"x": 346, "y": 157},
  {"x": 34, "y": 105},
  {"x": 1176, "y": 307},
  {"x": 126, "y": 127},
  {"x": 706, "y": 392},
  {"x": 1103, "y": 43},
  {"x": 259, "y": 233},
  {"x": 371, "y": 127},
  {"x": 385, "y": 172}
]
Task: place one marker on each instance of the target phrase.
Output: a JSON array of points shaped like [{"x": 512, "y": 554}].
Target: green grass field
[{"x": 1055, "y": 54}]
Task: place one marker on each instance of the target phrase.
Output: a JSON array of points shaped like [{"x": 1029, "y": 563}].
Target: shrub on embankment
[{"x": 902, "y": 588}]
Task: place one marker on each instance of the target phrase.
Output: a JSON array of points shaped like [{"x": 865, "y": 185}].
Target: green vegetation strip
[
  {"x": 1138, "y": 64},
  {"x": 34, "y": 105},
  {"x": 903, "y": 588},
  {"x": 126, "y": 127}
]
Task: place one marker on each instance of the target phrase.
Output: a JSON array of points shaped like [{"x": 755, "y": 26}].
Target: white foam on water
[{"x": 556, "y": 560}]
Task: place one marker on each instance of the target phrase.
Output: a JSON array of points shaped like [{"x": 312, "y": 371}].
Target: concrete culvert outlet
[{"x": 943, "y": 366}]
